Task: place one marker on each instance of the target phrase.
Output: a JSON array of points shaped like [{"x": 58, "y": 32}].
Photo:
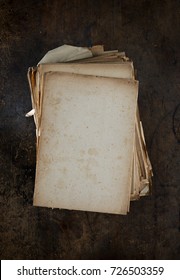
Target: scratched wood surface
[{"x": 149, "y": 33}]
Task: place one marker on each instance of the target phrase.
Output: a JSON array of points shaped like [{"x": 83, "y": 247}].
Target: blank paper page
[{"x": 84, "y": 160}]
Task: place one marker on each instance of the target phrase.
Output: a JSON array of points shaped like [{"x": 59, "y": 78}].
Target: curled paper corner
[{"x": 30, "y": 113}]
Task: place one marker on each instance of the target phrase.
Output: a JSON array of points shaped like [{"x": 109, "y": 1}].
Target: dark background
[{"x": 149, "y": 32}]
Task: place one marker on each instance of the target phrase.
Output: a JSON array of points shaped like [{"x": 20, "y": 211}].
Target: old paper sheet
[
  {"x": 65, "y": 53},
  {"x": 120, "y": 70},
  {"x": 88, "y": 165}
]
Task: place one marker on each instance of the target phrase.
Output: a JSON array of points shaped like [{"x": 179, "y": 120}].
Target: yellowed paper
[{"x": 84, "y": 167}]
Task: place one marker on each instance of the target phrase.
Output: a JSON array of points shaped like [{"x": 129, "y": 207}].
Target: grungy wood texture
[{"x": 149, "y": 33}]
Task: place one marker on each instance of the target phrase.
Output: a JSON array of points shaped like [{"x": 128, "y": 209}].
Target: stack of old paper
[{"x": 91, "y": 151}]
